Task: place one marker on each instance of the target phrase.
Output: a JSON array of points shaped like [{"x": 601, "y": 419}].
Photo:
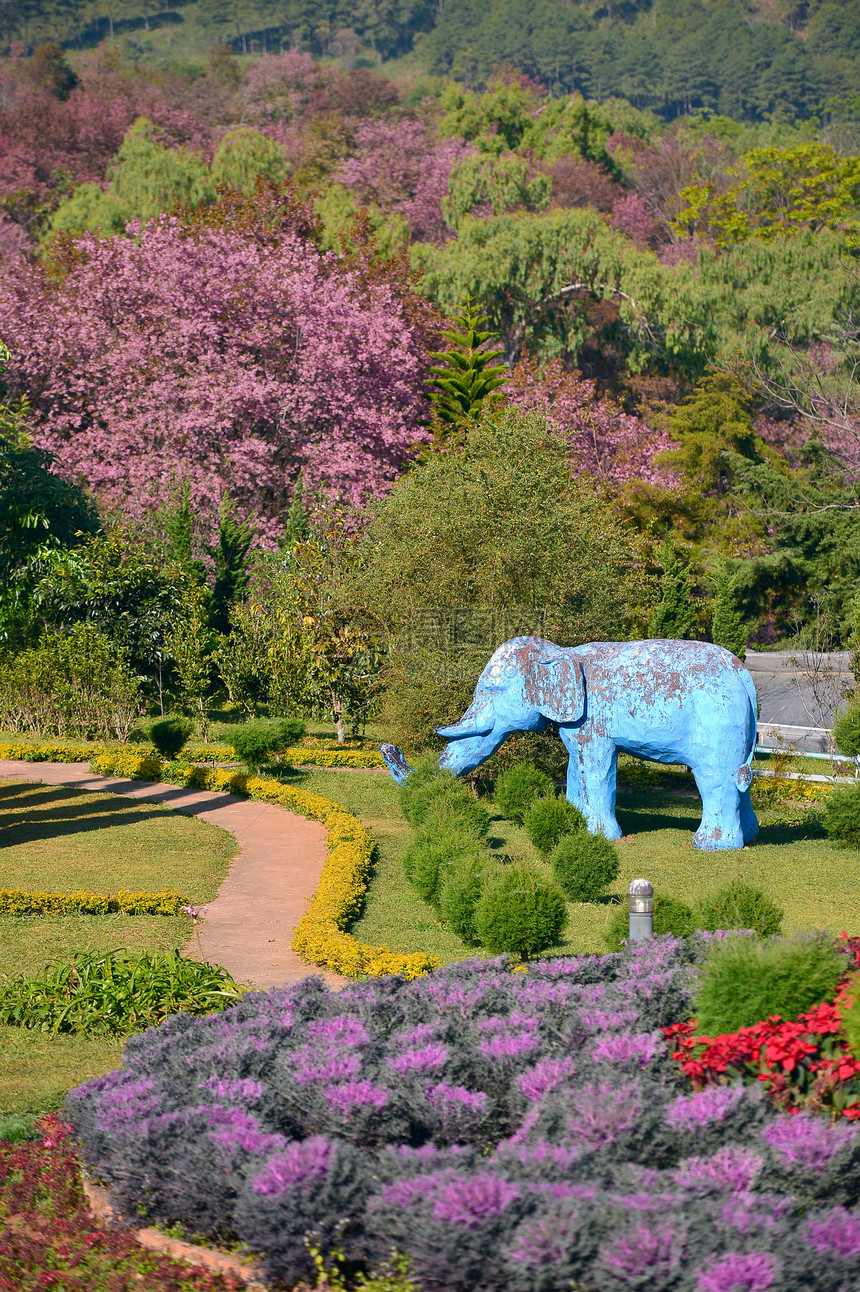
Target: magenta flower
[{"x": 738, "y": 1272}]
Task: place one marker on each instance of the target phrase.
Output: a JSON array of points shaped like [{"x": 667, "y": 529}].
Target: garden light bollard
[{"x": 640, "y": 903}]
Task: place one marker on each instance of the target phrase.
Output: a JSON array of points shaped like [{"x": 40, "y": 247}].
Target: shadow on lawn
[{"x": 77, "y": 811}]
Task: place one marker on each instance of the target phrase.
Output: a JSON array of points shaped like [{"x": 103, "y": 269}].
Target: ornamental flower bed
[
  {"x": 508, "y": 1131},
  {"x": 804, "y": 1063},
  {"x": 49, "y": 1238}
]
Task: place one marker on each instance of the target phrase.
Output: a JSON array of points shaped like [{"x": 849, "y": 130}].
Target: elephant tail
[
  {"x": 395, "y": 762},
  {"x": 743, "y": 776}
]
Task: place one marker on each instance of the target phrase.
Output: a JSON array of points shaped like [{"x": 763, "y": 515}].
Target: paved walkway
[{"x": 249, "y": 926}]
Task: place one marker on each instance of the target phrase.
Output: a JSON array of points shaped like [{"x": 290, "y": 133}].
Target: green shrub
[
  {"x": 255, "y": 742},
  {"x": 671, "y": 915},
  {"x": 455, "y": 809},
  {"x": 841, "y": 817},
  {"x": 846, "y": 730},
  {"x": 426, "y": 772},
  {"x": 518, "y": 787},
  {"x": 117, "y": 992},
  {"x": 170, "y": 735},
  {"x": 738, "y": 906},
  {"x": 851, "y": 1016},
  {"x": 519, "y": 911},
  {"x": 584, "y": 865},
  {"x": 548, "y": 819},
  {"x": 459, "y": 893},
  {"x": 744, "y": 981},
  {"x": 431, "y": 854}
]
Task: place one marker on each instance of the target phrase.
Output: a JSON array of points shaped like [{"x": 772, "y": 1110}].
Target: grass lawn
[
  {"x": 58, "y": 840},
  {"x": 814, "y": 880}
]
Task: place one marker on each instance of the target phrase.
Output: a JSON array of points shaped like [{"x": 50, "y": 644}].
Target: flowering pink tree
[
  {"x": 609, "y": 445},
  {"x": 228, "y": 354},
  {"x": 401, "y": 170}
]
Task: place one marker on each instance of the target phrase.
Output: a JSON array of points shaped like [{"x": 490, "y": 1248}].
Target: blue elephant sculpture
[{"x": 666, "y": 701}]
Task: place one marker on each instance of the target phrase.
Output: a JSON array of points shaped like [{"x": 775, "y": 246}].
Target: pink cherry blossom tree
[
  {"x": 611, "y": 446},
  {"x": 230, "y": 353},
  {"x": 403, "y": 171}
]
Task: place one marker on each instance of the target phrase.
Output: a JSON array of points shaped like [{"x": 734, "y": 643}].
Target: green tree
[
  {"x": 231, "y": 566},
  {"x": 776, "y": 191},
  {"x": 674, "y": 617},
  {"x": 40, "y": 515},
  {"x": 190, "y": 647},
  {"x": 115, "y": 583},
  {"x": 473, "y": 548},
  {"x": 726, "y": 627},
  {"x": 500, "y": 183},
  {"x": 244, "y": 156},
  {"x": 467, "y": 373}
]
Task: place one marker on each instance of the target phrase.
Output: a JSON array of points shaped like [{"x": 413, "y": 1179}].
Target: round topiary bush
[
  {"x": 430, "y": 856},
  {"x": 744, "y": 981},
  {"x": 842, "y": 816},
  {"x": 846, "y": 730},
  {"x": 739, "y": 906},
  {"x": 450, "y": 807},
  {"x": 170, "y": 735},
  {"x": 671, "y": 915},
  {"x": 459, "y": 893},
  {"x": 519, "y": 911},
  {"x": 584, "y": 865},
  {"x": 548, "y": 818},
  {"x": 426, "y": 772},
  {"x": 518, "y": 787}
]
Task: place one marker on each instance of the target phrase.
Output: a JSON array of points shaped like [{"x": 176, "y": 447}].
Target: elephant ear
[{"x": 558, "y": 688}]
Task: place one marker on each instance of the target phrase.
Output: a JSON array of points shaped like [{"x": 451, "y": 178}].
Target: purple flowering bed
[{"x": 508, "y": 1131}]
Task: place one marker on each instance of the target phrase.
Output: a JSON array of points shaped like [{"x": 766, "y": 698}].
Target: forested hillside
[
  {"x": 243, "y": 302},
  {"x": 743, "y": 58}
]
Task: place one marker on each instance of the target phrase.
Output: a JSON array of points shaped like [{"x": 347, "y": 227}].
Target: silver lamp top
[{"x": 640, "y": 888}]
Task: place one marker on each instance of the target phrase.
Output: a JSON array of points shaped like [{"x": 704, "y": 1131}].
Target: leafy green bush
[
  {"x": 744, "y": 981},
  {"x": 254, "y": 742},
  {"x": 519, "y": 911},
  {"x": 584, "y": 865},
  {"x": 432, "y": 853},
  {"x": 841, "y": 817},
  {"x": 738, "y": 906},
  {"x": 459, "y": 893},
  {"x": 671, "y": 915},
  {"x": 170, "y": 735},
  {"x": 846, "y": 730},
  {"x": 119, "y": 992},
  {"x": 548, "y": 819},
  {"x": 518, "y": 787}
]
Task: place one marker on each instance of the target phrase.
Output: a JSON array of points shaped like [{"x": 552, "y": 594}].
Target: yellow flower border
[
  {"x": 39, "y": 752},
  {"x": 17, "y": 901},
  {"x": 320, "y": 935}
]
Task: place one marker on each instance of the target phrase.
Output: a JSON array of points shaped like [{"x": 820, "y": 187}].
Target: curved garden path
[{"x": 249, "y": 926}]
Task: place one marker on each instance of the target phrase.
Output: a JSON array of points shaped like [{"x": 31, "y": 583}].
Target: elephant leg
[
  {"x": 591, "y": 776},
  {"x": 749, "y": 820},
  {"x": 720, "y": 826}
]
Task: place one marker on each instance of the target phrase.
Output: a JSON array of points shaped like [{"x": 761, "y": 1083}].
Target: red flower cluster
[
  {"x": 805, "y": 1063},
  {"x": 49, "y": 1240}
]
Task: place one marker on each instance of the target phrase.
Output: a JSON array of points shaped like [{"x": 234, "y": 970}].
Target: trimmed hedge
[
  {"x": 15, "y": 901},
  {"x": 47, "y": 753}
]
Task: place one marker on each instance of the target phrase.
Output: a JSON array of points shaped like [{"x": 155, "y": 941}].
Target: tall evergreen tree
[
  {"x": 726, "y": 627},
  {"x": 231, "y": 566},
  {"x": 674, "y": 617}
]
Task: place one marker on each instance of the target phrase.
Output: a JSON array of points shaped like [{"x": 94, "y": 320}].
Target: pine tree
[
  {"x": 231, "y": 566},
  {"x": 726, "y": 627},
  {"x": 674, "y": 617},
  {"x": 467, "y": 373},
  {"x": 177, "y": 523}
]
